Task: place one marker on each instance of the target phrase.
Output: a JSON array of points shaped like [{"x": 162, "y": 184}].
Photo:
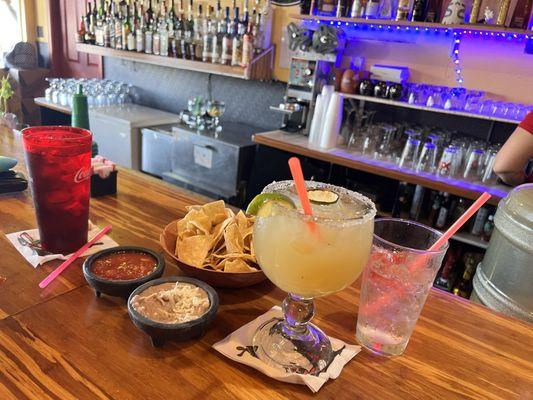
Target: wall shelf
[
  {"x": 341, "y": 155},
  {"x": 480, "y": 29},
  {"x": 404, "y": 104},
  {"x": 259, "y": 69}
]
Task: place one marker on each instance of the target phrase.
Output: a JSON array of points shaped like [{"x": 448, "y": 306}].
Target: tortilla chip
[
  {"x": 193, "y": 250},
  {"x": 214, "y": 208},
  {"x": 200, "y": 220},
  {"x": 233, "y": 238},
  {"x": 236, "y": 265}
]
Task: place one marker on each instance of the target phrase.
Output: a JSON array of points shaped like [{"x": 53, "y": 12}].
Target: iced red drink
[{"x": 58, "y": 159}]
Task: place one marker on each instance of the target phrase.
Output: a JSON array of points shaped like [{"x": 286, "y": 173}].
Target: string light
[{"x": 458, "y": 33}]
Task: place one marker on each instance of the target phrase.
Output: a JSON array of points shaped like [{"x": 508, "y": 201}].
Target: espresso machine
[{"x": 309, "y": 71}]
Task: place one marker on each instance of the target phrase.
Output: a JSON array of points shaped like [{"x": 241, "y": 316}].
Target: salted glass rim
[
  {"x": 442, "y": 249},
  {"x": 277, "y": 186}
]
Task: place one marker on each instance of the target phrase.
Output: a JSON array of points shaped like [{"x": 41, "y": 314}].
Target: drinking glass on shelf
[
  {"x": 384, "y": 148},
  {"x": 396, "y": 282},
  {"x": 427, "y": 162},
  {"x": 474, "y": 165},
  {"x": 473, "y": 100},
  {"x": 436, "y": 97},
  {"x": 308, "y": 257},
  {"x": 448, "y": 164},
  {"x": 409, "y": 155},
  {"x": 488, "y": 176}
]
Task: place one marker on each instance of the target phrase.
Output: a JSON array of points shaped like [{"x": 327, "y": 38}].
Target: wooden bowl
[{"x": 214, "y": 278}]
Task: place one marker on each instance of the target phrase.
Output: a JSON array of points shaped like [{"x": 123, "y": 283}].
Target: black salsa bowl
[
  {"x": 120, "y": 288},
  {"x": 160, "y": 332}
]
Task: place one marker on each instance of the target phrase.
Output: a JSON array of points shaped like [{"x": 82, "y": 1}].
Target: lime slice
[
  {"x": 261, "y": 205},
  {"x": 319, "y": 196}
]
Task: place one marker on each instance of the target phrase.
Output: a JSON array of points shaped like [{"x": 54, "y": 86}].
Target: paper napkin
[
  {"x": 238, "y": 347},
  {"x": 34, "y": 259}
]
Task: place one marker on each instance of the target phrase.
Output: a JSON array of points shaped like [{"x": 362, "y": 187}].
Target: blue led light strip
[{"x": 474, "y": 31}]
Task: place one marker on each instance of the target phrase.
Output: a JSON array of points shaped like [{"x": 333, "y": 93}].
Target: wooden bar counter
[{"x": 64, "y": 343}]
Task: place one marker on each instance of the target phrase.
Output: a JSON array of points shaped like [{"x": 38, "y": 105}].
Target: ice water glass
[
  {"x": 474, "y": 165},
  {"x": 396, "y": 283}
]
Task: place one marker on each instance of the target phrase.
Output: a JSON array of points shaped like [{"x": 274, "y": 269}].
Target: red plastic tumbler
[{"x": 58, "y": 159}]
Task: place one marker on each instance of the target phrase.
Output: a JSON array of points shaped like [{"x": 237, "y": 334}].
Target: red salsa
[{"x": 124, "y": 265}]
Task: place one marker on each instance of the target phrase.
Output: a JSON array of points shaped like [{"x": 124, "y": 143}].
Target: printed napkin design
[
  {"x": 35, "y": 260},
  {"x": 237, "y": 346}
]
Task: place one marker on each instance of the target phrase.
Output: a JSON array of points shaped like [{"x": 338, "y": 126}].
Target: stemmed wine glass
[
  {"x": 308, "y": 257},
  {"x": 215, "y": 109}
]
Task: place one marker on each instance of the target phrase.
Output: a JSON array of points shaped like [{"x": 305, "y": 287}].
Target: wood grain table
[{"x": 64, "y": 343}]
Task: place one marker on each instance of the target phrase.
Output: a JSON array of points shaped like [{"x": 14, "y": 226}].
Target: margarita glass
[{"x": 308, "y": 257}]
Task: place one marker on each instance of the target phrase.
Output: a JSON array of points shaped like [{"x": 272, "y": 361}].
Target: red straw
[
  {"x": 55, "y": 273},
  {"x": 299, "y": 181},
  {"x": 460, "y": 221}
]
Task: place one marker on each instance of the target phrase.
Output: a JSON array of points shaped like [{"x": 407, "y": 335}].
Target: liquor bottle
[
  {"x": 419, "y": 10},
  {"x": 416, "y": 204},
  {"x": 266, "y": 13},
  {"x": 171, "y": 20},
  {"x": 126, "y": 28},
  {"x": 237, "y": 45},
  {"x": 118, "y": 30},
  {"x": 433, "y": 11},
  {"x": 156, "y": 38},
  {"x": 402, "y": 11},
  {"x": 458, "y": 210},
  {"x": 372, "y": 9},
  {"x": 106, "y": 30},
  {"x": 247, "y": 42},
  {"x": 163, "y": 38},
  {"x": 479, "y": 221},
  {"x": 149, "y": 37},
  {"x": 111, "y": 26},
  {"x": 189, "y": 33},
  {"x": 446, "y": 278},
  {"x": 488, "y": 228},
  {"x": 178, "y": 44},
  {"x": 444, "y": 212},
  {"x": 141, "y": 33},
  {"x": 464, "y": 286},
  {"x": 227, "y": 41},
  {"x": 132, "y": 41},
  {"x": 93, "y": 21},
  {"x": 435, "y": 208},
  {"x": 210, "y": 32},
  {"x": 99, "y": 27},
  {"x": 401, "y": 201},
  {"x": 122, "y": 5},
  {"x": 217, "y": 39},
  {"x": 198, "y": 34},
  {"x": 326, "y": 7},
  {"x": 149, "y": 12},
  {"x": 81, "y": 32}
]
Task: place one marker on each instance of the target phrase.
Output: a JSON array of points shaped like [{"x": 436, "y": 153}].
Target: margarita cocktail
[{"x": 308, "y": 257}]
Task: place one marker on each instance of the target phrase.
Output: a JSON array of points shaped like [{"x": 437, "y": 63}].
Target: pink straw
[
  {"x": 299, "y": 181},
  {"x": 56, "y": 272},
  {"x": 460, "y": 221}
]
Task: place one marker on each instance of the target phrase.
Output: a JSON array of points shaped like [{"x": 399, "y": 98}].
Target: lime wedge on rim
[
  {"x": 261, "y": 205},
  {"x": 320, "y": 196}
]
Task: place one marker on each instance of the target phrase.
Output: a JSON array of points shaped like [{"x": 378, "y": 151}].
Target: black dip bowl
[
  {"x": 120, "y": 288},
  {"x": 160, "y": 332}
]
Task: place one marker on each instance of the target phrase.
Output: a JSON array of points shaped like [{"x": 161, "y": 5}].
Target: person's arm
[{"x": 512, "y": 158}]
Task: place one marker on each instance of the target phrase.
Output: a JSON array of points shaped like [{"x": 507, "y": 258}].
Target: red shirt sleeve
[{"x": 527, "y": 123}]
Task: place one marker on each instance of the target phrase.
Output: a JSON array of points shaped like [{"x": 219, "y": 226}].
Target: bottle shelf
[
  {"x": 260, "y": 67},
  {"x": 404, "y": 104},
  {"x": 482, "y": 29},
  {"x": 341, "y": 155}
]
